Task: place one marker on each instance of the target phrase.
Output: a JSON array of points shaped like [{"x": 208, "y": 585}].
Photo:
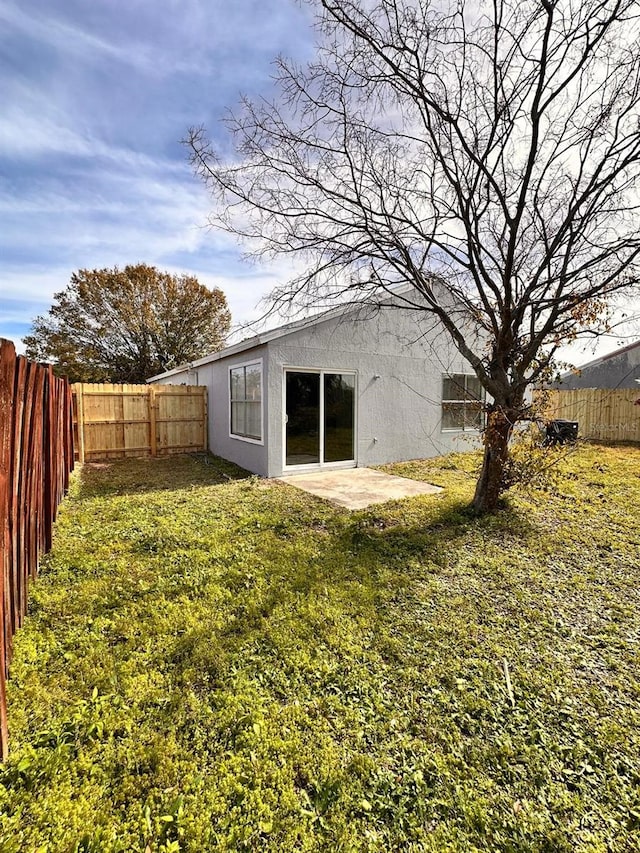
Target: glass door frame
[{"x": 317, "y": 466}]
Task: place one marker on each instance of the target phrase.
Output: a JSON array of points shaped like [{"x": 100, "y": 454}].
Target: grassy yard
[{"x": 218, "y": 663}]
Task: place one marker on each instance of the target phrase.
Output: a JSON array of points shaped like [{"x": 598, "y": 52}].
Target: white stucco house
[{"x": 355, "y": 386}]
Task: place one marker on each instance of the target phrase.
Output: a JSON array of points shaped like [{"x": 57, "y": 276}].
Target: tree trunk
[{"x": 496, "y": 453}]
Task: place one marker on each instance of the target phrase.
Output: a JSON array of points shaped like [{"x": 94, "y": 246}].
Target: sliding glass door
[
  {"x": 338, "y": 421},
  {"x": 320, "y": 417},
  {"x": 303, "y": 418}
]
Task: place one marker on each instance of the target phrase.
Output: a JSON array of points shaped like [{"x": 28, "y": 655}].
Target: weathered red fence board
[{"x": 36, "y": 458}]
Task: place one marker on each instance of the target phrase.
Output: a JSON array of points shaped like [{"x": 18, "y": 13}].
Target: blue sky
[{"x": 95, "y": 97}]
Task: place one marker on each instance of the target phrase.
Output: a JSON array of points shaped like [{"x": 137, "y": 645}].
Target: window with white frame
[
  {"x": 463, "y": 400},
  {"x": 245, "y": 401}
]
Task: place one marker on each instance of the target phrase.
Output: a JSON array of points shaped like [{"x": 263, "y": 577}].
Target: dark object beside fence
[
  {"x": 560, "y": 431},
  {"x": 36, "y": 458}
]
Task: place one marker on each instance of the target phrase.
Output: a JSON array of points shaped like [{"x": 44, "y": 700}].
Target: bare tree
[{"x": 486, "y": 153}]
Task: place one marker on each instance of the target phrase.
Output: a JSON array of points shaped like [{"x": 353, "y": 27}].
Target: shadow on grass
[
  {"x": 361, "y": 567},
  {"x": 432, "y": 535},
  {"x": 395, "y": 534},
  {"x": 171, "y": 473},
  {"x": 386, "y": 548}
]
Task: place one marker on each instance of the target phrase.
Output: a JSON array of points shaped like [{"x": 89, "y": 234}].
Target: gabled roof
[
  {"x": 286, "y": 329},
  {"x": 596, "y": 361},
  {"x": 271, "y": 335}
]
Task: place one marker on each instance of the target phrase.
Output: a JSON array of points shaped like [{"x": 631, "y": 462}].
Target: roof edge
[
  {"x": 264, "y": 337},
  {"x": 596, "y": 361}
]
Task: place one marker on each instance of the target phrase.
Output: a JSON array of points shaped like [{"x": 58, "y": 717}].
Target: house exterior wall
[
  {"x": 620, "y": 370},
  {"x": 399, "y": 358},
  {"x": 398, "y": 387},
  {"x": 215, "y": 376}
]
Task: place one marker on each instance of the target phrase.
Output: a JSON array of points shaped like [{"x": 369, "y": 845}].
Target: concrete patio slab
[{"x": 358, "y": 488}]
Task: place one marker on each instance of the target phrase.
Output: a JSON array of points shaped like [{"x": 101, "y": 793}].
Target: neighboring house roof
[
  {"x": 279, "y": 332},
  {"x": 616, "y": 369},
  {"x": 606, "y": 357}
]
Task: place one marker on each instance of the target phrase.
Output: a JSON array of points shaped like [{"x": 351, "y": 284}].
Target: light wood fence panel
[
  {"x": 603, "y": 414},
  {"x": 118, "y": 421}
]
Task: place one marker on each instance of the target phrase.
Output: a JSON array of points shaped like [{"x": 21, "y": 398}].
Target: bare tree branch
[{"x": 486, "y": 155}]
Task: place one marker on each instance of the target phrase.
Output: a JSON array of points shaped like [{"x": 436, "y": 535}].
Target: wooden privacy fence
[
  {"x": 36, "y": 458},
  {"x": 603, "y": 414},
  {"x": 116, "y": 421}
]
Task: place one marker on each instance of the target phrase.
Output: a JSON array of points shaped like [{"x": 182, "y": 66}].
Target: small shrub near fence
[{"x": 36, "y": 458}]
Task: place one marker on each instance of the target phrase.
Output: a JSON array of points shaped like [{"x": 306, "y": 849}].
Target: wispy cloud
[
  {"x": 75, "y": 41},
  {"x": 95, "y": 98}
]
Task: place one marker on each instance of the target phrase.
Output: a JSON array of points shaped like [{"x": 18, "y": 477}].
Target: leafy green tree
[{"x": 125, "y": 325}]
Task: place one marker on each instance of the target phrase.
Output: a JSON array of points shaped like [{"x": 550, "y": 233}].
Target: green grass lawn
[{"x": 218, "y": 663}]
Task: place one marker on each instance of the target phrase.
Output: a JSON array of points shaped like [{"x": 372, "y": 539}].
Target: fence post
[
  {"x": 80, "y": 415},
  {"x": 205, "y": 418},
  {"x": 153, "y": 435}
]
